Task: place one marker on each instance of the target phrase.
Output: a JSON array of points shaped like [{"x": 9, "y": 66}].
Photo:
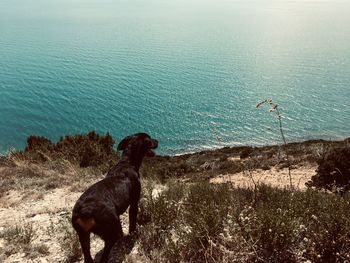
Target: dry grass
[
  {"x": 25, "y": 176},
  {"x": 68, "y": 239},
  {"x": 19, "y": 234},
  {"x": 202, "y": 222}
]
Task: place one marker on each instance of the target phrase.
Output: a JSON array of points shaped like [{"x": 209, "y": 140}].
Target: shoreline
[
  {"x": 335, "y": 139},
  {"x": 257, "y": 145},
  {"x": 267, "y": 145}
]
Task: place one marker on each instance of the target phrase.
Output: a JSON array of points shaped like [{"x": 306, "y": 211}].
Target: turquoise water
[{"x": 188, "y": 72}]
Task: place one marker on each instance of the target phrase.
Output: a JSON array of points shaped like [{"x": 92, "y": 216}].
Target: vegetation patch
[
  {"x": 184, "y": 218},
  {"x": 17, "y": 238},
  {"x": 86, "y": 150},
  {"x": 19, "y": 234},
  {"x": 333, "y": 171},
  {"x": 68, "y": 239},
  {"x": 201, "y": 222}
]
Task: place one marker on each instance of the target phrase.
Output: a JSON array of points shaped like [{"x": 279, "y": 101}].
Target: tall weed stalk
[{"x": 274, "y": 109}]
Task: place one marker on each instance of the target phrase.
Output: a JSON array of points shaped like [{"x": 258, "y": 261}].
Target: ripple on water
[{"x": 190, "y": 77}]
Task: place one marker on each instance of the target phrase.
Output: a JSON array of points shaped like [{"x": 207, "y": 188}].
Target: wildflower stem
[
  {"x": 285, "y": 144},
  {"x": 274, "y": 108}
]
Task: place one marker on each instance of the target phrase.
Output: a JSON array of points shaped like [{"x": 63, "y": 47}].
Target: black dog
[{"x": 99, "y": 207}]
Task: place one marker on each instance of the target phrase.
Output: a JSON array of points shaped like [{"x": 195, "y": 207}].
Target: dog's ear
[{"x": 122, "y": 145}]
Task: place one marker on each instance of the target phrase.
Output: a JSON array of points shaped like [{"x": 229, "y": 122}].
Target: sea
[{"x": 188, "y": 72}]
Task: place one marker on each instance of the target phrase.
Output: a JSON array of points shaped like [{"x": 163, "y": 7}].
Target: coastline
[
  {"x": 261, "y": 145},
  {"x": 5, "y": 150}
]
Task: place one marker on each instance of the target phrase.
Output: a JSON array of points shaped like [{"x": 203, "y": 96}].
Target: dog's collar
[{"x": 118, "y": 155}]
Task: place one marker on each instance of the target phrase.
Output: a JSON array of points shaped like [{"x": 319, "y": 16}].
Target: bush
[
  {"x": 333, "y": 171},
  {"x": 158, "y": 217},
  {"x": 39, "y": 143},
  {"x": 246, "y": 152},
  {"x": 201, "y": 222},
  {"x": 85, "y": 150}
]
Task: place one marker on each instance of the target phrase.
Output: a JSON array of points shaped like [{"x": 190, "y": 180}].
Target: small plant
[
  {"x": 36, "y": 251},
  {"x": 42, "y": 249},
  {"x": 20, "y": 234},
  {"x": 68, "y": 241},
  {"x": 274, "y": 109}
]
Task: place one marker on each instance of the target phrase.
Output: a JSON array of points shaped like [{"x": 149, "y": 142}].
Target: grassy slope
[{"x": 188, "y": 222}]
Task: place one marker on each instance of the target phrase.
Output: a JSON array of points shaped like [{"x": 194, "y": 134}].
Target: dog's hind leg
[
  {"x": 84, "y": 238},
  {"x": 113, "y": 232}
]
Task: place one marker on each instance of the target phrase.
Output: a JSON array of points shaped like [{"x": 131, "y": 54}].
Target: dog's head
[{"x": 139, "y": 144}]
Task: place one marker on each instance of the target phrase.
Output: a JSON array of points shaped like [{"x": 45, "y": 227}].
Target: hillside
[{"x": 243, "y": 219}]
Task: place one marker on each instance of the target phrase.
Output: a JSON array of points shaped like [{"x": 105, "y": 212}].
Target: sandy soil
[
  {"x": 274, "y": 177},
  {"x": 45, "y": 214}
]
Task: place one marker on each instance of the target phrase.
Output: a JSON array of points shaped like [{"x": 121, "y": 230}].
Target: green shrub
[
  {"x": 85, "y": 150},
  {"x": 201, "y": 222},
  {"x": 158, "y": 217},
  {"x": 246, "y": 152},
  {"x": 39, "y": 143},
  {"x": 19, "y": 234},
  {"x": 333, "y": 171}
]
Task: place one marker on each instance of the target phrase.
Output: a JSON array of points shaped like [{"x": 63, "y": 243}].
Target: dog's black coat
[{"x": 99, "y": 207}]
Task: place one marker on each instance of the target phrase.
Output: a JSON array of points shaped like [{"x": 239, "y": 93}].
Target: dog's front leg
[
  {"x": 134, "y": 204},
  {"x": 133, "y": 216}
]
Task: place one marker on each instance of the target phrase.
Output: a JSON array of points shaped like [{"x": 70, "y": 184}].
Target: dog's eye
[{"x": 148, "y": 143}]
